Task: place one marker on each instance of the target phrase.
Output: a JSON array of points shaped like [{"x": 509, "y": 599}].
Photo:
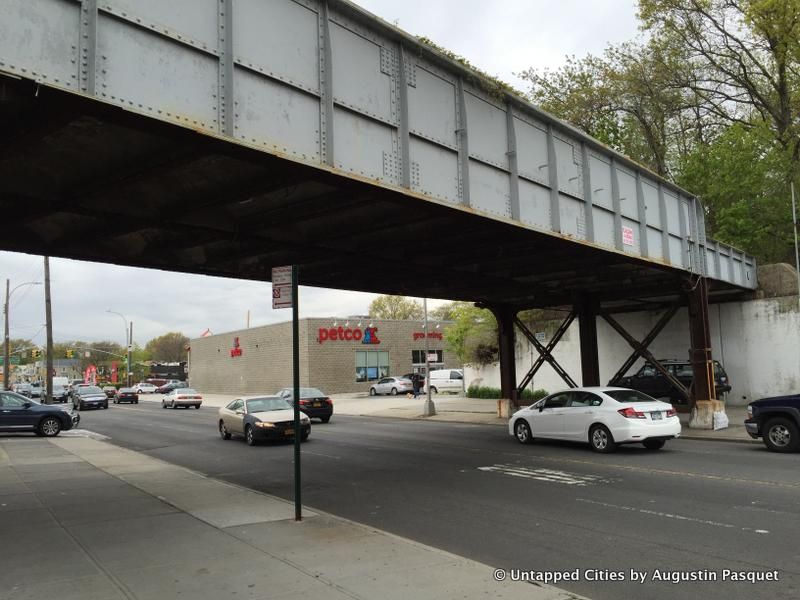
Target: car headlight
[
  {"x": 304, "y": 419},
  {"x": 264, "y": 424}
]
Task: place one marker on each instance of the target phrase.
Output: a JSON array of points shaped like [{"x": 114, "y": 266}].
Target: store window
[
  {"x": 371, "y": 365},
  {"x": 418, "y": 357}
]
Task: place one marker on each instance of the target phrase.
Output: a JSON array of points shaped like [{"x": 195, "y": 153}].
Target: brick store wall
[{"x": 265, "y": 363}]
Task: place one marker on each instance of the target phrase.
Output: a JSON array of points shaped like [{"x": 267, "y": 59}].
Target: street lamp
[
  {"x": 128, "y": 340},
  {"x": 7, "y": 353}
]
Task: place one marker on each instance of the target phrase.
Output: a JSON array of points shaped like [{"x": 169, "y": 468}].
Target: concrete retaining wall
[{"x": 758, "y": 342}]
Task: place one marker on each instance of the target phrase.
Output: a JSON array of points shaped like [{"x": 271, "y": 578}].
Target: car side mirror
[
  {"x": 27, "y": 404},
  {"x": 239, "y": 412},
  {"x": 541, "y": 407}
]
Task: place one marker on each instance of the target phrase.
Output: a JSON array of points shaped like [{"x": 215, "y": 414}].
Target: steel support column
[
  {"x": 703, "y": 389},
  {"x": 505, "y": 316},
  {"x": 590, "y": 359}
]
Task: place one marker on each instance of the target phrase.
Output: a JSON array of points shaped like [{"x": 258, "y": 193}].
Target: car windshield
[
  {"x": 310, "y": 393},
  {"x": 629, "y": 396},
  {"x": 185, "y": 391},
  {"x": 126, "y": 390},
  {"x": 267, "y": 404},
  {"x": 90, "y": 389}
]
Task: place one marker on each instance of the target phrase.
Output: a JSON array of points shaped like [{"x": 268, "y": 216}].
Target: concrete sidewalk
[
  {"x": 455, "y": 408},
  {"x": 81, "y": 519}
]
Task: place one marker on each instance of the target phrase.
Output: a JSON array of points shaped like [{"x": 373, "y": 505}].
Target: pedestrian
[{"x": 415, "y": 383}]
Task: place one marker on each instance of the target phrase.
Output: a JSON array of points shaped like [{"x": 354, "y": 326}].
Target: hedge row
[{"x": 491, "y": 393}]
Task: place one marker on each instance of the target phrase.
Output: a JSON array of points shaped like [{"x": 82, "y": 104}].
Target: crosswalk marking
[{"x": 550, "y": 475}]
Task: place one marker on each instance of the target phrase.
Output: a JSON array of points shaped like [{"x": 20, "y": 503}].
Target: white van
[
  {"x": 446, "y": 380},
  {"x": 62, "y": 381}
]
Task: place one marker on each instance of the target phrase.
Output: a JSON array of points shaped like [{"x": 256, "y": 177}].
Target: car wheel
[
  {"x": 197, "y": 406},
  {"x": 249, "y": 436},
  {"x": 325, "y": 419},
  {"x": 304, "y": 437},
  {"x": 522, "y": 431},
  {"x": 781, "y": 435},
  {"x": 105, "y": 405},
  {"x": 653, "y": 444},
  {"x": 394, "y": 392},
  {"x": 136, "y": 402},
  {"x": 434, "y": 390},
  {"x": 373, "y": 392},
  {"x": 50, "y": 426},
  {"x": 223, "y": 432},
  {"x": 601, "y": 440}
]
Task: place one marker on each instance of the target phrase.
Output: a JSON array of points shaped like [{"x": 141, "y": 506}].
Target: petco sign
[{"x": 345, "y": 334}]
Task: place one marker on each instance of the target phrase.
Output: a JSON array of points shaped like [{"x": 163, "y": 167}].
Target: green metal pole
[{"x": 298, "y": 504}]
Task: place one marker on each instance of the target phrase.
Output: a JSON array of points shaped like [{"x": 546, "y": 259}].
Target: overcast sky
[{"x": 501, "y": 37}]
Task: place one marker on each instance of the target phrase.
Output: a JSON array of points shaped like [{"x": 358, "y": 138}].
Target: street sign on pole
[{"x": 282, "y": 287}]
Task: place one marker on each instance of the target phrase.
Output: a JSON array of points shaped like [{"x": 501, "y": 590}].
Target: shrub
[{"x": 491, "y": 393}]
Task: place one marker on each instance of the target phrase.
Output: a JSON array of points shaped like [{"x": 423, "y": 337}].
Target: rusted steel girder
[{"x": 703, "y": 387}]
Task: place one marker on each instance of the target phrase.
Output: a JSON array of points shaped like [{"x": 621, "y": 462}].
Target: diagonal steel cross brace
[
  {"x": 640, "y": 349},
  {"x": 545, "y": 353}
]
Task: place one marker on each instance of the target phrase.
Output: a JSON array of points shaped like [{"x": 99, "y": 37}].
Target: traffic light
[
  {"x": 36, "y": 353},
  {"x": 70, "y": 353}
]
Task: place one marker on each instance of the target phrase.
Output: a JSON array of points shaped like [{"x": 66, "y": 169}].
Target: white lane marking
[
  {"x": 551, "y": 475},
  {"x": 85, "y": 433},
  {"x": 657, "y": 513}
]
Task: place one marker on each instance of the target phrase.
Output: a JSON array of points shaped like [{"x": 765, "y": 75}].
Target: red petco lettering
[
  {"x": 339, "y": 333},
  {"x": 368, "y": 336}
]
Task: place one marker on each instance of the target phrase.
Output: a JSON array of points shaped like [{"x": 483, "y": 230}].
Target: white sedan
[
  {"x": 182, "y": 397},
  {"x": 145, "y": 388},
  {"x": 602, "y": 416}
]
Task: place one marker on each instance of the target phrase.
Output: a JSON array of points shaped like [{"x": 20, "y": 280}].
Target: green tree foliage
[
  {"x": 709, "y": 97},
  {"x": 447, "y": 311},
  {"x": 395, "y": 307},
  {"x": 170, "y": 347},
  {"x": 473, "y": 335}
]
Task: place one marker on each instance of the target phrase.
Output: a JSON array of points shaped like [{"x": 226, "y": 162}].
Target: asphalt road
[{"x": 693, "y": 507}]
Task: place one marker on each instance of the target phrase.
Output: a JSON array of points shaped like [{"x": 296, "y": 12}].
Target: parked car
[
  {"x": 446, "y": 380},
  {"x": 145, "y": 388},
  {"x": 652, "y": 382},
  {"x": 89, "y": 396},
  {"x": 391, "y": 385},
  {"x": 602, "y": 416},
  {"x": 313, "y": 402},
  {"x": 36, "y": 389},
  {"x": 168, "y": 387},
  {"x": 110, "y": 391},
  {"x": 126, "y": 395},
  {"x": 19, "y": 413},
  {"x": 182, "y": 397},
  {"x": 776, "y": 421},
  {"x": 261, "y": 418},
  {"x": 23, "y": 389}
]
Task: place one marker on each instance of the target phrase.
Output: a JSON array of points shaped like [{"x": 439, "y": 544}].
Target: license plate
[
  {"x": 656, "y": 416},
  {"x": 289, "y": 432},
  {"x": 317, "y": 404}
]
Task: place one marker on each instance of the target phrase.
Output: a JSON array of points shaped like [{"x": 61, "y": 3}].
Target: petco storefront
[{"x": 336, "y": 355}]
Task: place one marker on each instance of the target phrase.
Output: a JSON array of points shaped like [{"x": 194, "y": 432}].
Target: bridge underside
[{"x": 85, "y": 180}]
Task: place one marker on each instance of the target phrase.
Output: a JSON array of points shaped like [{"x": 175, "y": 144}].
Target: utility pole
[
  {"x": 49, "y": 322},
  {"x": 130, "y": 348},
  {"x": 796, "y": 255},
  {"x": 430, "y": 409},
  {"x": 6, "y": 351}
]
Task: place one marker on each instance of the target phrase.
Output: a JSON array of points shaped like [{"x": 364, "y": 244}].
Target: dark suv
[
  {"x": 776, "y": 421},
  {"x": 650, "y": 380}
]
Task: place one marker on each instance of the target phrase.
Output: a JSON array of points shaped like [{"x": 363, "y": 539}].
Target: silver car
[{"x": 391, "y": 385}]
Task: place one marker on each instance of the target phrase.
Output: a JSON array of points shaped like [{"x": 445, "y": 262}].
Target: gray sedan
[{"x": 391, "y": 385}]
